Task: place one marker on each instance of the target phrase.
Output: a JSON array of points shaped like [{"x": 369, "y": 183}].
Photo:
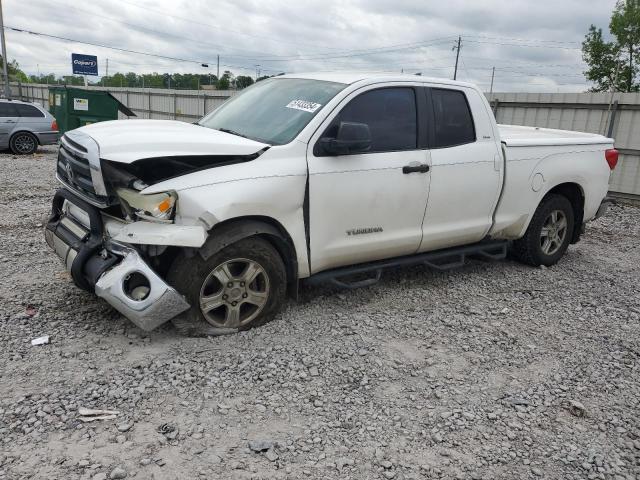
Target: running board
[{"x": 440, "y": 260}]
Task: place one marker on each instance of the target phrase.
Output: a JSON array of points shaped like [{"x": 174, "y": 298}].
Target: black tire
[
  {"x": 188, "y": 276},
  {"x": 23, "y": 143},
  {"x": 529, "y": 249}
]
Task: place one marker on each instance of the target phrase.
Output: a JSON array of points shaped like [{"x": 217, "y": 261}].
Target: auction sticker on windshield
[{"x": 304, "y": 105}]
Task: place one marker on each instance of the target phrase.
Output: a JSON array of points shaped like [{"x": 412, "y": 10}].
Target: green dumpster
[{"x": 77, "y": 107}]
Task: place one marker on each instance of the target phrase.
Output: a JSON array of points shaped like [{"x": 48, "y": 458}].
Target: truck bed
[{"x": 519, "y": 136}]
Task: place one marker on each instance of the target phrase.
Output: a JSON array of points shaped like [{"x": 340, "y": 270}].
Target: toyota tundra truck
[{"x": 325, "y": 177}]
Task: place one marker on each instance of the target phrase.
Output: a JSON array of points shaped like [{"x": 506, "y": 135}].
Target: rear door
[
  {"x": 31, "y": 118},
  {"x": 466, "y": 169},
  {"x": 8, "y": 122},
  {"x": 362, "y": 206}
]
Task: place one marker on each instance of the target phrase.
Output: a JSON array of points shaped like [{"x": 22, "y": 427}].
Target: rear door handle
[{"x": 415, "y": 168}]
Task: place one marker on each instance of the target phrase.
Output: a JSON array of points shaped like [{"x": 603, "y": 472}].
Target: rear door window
[
  {"x": 28, "y": 111},
  {"x": 453, "y": 119},
  {"x": 7, "y": 110}
]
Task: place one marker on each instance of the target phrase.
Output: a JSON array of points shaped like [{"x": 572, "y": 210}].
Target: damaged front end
[
  {"x": 114, "y": 270},
  {"x": 115, "y": 240}
]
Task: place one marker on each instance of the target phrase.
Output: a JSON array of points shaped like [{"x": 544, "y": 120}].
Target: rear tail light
[
  {"x": 54, "y": 125},
  {"x": 612, "y": 157}
]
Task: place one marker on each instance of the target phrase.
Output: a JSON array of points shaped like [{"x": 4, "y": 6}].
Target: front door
[{"x": 368, "y": 206}]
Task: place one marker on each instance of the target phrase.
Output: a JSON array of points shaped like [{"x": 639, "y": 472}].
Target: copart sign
[{"x": 84, "y": 64}]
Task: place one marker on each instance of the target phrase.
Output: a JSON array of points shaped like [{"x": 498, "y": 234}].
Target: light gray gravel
[{"x": 496, "y": 370}]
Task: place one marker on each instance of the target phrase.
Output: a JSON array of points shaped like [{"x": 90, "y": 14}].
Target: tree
[
  {"x": 47, "y": 79},
  {"x": 243, "y": 81},
  {"x": 224, "y": 83},
  {"x": 611, "y": 64},
  {"x": 72, "y": 80},
  {"x": 131, "y": 79},
  {"x": 15, "y": 74},
  {"x": 625, "y": 26}
]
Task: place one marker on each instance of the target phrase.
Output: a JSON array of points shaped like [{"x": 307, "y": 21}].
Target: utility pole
[
  {"x": 493, "y": 73},
  {"x": 455, "y": 72},
  {"x": 630, "y": 64},
  {"x": 5, "y": 71},
  {"x": 257, "y": 72},
  {"x": 218, "y": 70}
]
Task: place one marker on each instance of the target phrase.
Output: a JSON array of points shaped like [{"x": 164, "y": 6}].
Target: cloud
[{"x": 377, "y": 35}]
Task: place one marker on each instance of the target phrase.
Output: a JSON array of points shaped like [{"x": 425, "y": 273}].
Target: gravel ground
[{"x": 495, "y": 370}]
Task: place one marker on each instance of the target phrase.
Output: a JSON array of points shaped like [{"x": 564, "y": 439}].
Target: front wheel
[
  {"x": 240, "y": 287},
  {"x": 549, "y": 233}
]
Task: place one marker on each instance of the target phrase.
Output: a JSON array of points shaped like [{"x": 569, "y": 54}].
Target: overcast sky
[{"x": 534, "y": 44}]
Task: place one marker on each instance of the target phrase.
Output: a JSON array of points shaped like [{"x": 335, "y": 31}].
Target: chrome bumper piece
[{"x": 162, "y": 302}]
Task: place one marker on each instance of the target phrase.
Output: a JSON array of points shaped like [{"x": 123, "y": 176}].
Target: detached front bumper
[{"x": 114, "y": 271}]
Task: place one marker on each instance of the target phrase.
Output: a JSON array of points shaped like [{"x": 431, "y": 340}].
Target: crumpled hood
[{"x": 126, "y": 141}]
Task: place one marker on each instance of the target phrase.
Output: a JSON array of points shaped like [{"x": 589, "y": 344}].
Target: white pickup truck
[{"x": 317, "y": 177}]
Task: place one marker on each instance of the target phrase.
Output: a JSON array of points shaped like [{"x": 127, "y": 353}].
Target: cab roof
[{"x": 349, "y": 78}]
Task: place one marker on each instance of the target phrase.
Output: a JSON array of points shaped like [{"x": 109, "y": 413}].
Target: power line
[
  {"x": 279, "y": 58},
  {"x": 523, "y": 45},
  {"x": 362, "y": 53},
  {"x": 119, "y": 49},
  {"x": 151, "y": 30},
  {"x": 528, "y": 40}
]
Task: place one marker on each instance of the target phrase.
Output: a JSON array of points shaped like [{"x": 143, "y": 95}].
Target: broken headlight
[{"x": 157, "y": 207}]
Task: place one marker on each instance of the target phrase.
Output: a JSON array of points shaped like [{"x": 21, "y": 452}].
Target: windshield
[{"x": 272, "y": 111}]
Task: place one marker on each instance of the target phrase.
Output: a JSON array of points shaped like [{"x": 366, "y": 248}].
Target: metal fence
[
  {"x": 616, "y": 115},
  {"x": 185, "y": 105}
]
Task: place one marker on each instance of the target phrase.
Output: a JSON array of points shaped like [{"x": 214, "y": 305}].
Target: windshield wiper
[{"x": 232, "y": 132}]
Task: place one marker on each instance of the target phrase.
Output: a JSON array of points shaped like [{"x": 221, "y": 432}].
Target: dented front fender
[{"x": 148, "y": 233}]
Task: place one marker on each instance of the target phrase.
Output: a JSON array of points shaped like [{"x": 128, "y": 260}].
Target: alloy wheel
[
  {"x": 554, "y": 232},
  {"x": 24, "y": 143},
  {"x": 234, "y": 293}
]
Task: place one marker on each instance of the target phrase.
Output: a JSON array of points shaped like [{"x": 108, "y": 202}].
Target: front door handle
[{"x": 415, "y": 168}]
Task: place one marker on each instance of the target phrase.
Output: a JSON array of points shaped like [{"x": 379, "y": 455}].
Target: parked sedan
[{"x": 24, "y": 126}]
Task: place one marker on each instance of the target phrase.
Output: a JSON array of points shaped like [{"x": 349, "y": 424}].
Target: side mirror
[{"x": 351, "y": 138}]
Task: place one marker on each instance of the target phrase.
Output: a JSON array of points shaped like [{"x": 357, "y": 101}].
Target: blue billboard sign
[{"x": 84, "y": 64}]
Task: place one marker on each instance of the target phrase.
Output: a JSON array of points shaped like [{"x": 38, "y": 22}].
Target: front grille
[{"x": 73, "y": 169}]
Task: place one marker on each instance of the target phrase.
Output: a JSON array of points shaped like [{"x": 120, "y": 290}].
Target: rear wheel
[
  {"x": 23, "y": 143},
  {"x": 549, "y": 233},
  {"x": 240, "y": 287}
]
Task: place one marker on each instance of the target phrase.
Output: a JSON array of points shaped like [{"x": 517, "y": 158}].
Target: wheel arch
[
  {"x": 235, "y": 229},
  {"x": 575, "y": 194},
  {"x": 18, "y": 132}
]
